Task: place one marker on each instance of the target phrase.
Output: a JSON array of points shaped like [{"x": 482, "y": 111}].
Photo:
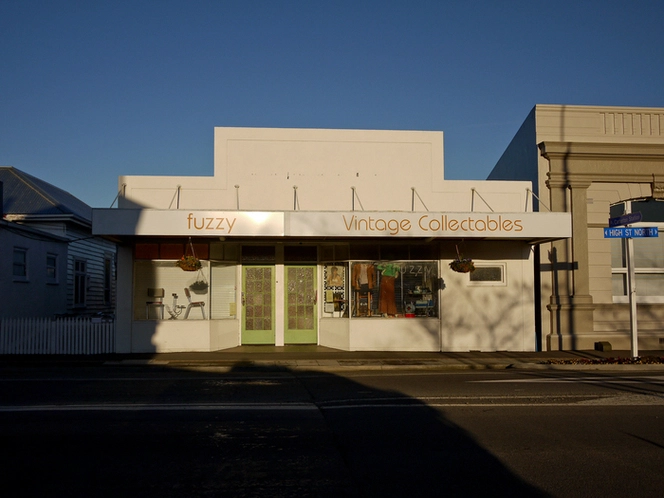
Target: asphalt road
[{"x": 153, "y": 431}]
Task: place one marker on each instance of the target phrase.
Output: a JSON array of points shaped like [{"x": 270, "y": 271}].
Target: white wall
[
  {"x": 266, "y": 163},
  {"x": 490, "y": 317},
  {"x": 123, "y": 309},
  {"x": 395, "y": 334},
  {"x": 384, "y": 167}
]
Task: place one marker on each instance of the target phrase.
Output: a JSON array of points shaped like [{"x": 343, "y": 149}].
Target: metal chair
[
  {"x": 193, "y": 304},
  {"x": 157, "y": 301}
]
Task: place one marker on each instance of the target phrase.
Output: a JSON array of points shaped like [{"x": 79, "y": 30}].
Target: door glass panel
[
  {"x": 301, "y": 295},
  {"x": 258, "y": 299},
  {"x": 301, "y": 304}
]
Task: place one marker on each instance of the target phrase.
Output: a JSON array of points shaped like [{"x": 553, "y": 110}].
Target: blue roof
[{"x": 26, "y": 195}]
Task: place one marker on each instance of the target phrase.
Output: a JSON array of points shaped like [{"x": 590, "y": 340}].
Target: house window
[
  {"x": 80, "y": 282},
  {"x": 20, "y": 266},
  {"x": 648, "y": 255},
  {"x": 493, "y": 274},
  {"x": 52, "y": 268},
  {"x": 108, "y": 278}
]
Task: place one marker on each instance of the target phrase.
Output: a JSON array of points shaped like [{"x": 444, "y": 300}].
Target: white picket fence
[{"x": 56, "y": 336}]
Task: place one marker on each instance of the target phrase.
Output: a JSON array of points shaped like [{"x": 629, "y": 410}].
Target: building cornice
[
  {"x": 581, "y": 163},
  {"x": 588, "y": 150}
]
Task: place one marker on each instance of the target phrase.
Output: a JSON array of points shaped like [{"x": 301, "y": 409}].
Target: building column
[
  {"x": 581, "y": 274},
  {"x": 558, "y": 256},
  {"x": 582, "y": 301},
  {"x": 571, "y": 304}
]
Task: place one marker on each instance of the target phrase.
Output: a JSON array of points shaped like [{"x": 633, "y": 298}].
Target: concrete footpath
[{"x": 326, "y": 359}]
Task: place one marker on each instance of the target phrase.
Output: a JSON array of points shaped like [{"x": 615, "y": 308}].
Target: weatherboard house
[
  {"x": 50, "y": 264},
  {"x": 353, "y": 239}
]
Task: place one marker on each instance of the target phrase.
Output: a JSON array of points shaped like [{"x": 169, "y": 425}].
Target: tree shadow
[{"x": 248, "y": 431}]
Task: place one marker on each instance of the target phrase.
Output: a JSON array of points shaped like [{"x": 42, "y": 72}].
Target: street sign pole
[
  {"x": 627, "y": 234},
  {"x": 631, "y": 285}
]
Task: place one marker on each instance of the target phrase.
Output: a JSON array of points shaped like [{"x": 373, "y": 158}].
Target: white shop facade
[{"x": 352, "y": 279}]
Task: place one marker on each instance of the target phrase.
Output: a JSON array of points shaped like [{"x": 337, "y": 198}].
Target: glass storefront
[
  {"x": 379, "y": 288},
  {"x": 163, "y": 290}
]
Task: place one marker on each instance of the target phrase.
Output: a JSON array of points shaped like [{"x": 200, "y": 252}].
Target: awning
[{"x": 534, "y": 227}]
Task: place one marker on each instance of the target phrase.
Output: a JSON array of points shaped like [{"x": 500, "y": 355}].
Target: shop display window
[
  {"x": 223, "y": 291},
  {"x": 335, "y": 289},
  {"x": 163, "y": 291},
  {"x": 393, "y": 289}
]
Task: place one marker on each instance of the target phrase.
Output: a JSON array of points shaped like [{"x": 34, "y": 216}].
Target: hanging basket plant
[
  {"x": 200, "y": 286},
  {"x": 461, "y": 264},
  {"x": 189, "y": 262}
]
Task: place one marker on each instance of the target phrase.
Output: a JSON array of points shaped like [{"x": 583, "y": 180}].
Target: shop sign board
[
  {"x": 387, "y": 224},
  {"x": 172, "y": 222},
  {"x": 396, "y": 224}
]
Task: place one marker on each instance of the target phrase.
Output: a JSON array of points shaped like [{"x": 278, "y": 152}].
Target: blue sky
[{"x": 91, "y": 90}]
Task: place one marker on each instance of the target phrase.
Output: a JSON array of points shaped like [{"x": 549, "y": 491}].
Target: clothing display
[
  {"x": 363, "y": 274},
  {"x": 386, "y": 299}
]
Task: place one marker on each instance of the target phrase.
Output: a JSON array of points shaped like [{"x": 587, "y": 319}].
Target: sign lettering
[{"x": 629, "y": 233}]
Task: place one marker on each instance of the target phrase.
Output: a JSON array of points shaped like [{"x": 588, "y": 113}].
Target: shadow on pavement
[{"x": 269, "y": 432}]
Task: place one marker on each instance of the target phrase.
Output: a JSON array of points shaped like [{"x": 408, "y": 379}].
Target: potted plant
[
  {"x": 189, "y": 263},
  {"x": 200, "y": 286},
  {"x": 461, "y": 264}
]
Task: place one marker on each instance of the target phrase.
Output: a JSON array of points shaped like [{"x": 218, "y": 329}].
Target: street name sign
[
  {"x": 626, "y": 219},
  {"x": 631, "y": 232},
  {"x": 615, "y": 231}
]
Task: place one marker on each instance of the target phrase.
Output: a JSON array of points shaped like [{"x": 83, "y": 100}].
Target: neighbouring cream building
[
  {"x": 594, "y": 163},
  {"x": 341, "y": 238}
]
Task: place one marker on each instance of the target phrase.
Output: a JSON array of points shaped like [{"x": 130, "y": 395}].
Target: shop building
[
  {"x": 595, "y": 163},
  {"x": 341, "y": 238}
]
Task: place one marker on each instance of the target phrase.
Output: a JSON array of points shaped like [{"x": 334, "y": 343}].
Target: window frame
[
  {"x": 489, "y": 283},
  {"x": 53, "y": 279},
  {"x": 410, "y": 289},
  {"x": 80, "y": 283},
  {"x": 24, "y": 277},
  {"x": 622, "y": 270}
]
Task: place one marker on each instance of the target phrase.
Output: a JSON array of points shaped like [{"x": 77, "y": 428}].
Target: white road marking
[
  {"x": 132, "y": 407},
  {"x": 623, "y": 399},
  {"x": 659, "y": 379}
]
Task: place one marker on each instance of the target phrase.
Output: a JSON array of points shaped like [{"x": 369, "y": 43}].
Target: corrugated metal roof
[{"x": 23, "y": 194}]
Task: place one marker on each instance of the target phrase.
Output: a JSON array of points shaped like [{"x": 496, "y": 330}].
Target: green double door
[{"x": 260, "y": 295}]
